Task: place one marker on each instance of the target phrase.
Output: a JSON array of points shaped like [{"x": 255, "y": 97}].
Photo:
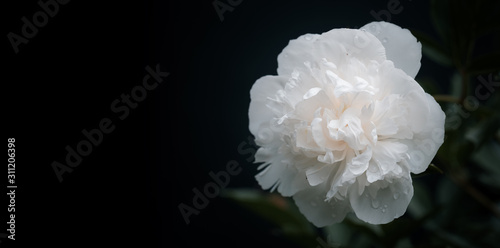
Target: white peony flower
[{"x": 344, "y": 123}]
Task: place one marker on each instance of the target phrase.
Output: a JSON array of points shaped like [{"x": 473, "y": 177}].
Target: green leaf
[
  {"x": 446, "y": 192},
  {"x": 421, "y": 203},
  {"x": 484, "y": 128},
  {"x": 486, "y": 14},
  {"x": 488, "y": 157},
  {"x": 441, "y": 18},
  {"x": 485, "y": 64},
  {"x": 432, "y": 169},
  {"x": 339, "y": 234},
  {"x": 456, "y": 149},
  {"x": 398, "y": 229},
  {"x": 433, "y": 49},
  {"x": 456, "y": 85},
  {"x": 278, "y": 211},
  {"x": 429, "y": 85},
  {"x": 453, "y": 240},
  {"x": 374, "y": 232}
]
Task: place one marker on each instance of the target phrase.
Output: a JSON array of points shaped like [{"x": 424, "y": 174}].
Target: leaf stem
[
  {"x": 465, "y": 86},
  {"x": 446, "y": 98},
  {"x": 465, "y": 184}
]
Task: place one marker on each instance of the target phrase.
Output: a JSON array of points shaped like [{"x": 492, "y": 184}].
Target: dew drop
[
  {"x": 396, "y": 196},
  {"x": 360, "y": 41},
  {"x": 384, "y": 40},
  {"x": 308, "y": 37},
  {"x": 374, "y": 29},
  {"x": 384, "y": 208},
  {"x": 314, "y": 204},
  {"x": 375, "y": 203}
]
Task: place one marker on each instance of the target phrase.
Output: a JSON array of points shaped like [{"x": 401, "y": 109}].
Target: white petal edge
[
  {"x": 424, "y": 145},
  {"x": 401, "y": 46},
  {"x": 258, "y": 113},
  {"x": 335, "y": 46},
  {"x": 311, "y": 203},
  {"x": 389, "y": 203},
  {"x": 286, "y": 179}
]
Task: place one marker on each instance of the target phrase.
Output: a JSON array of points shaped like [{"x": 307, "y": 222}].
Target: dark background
[{"x": 127, "y": 191}]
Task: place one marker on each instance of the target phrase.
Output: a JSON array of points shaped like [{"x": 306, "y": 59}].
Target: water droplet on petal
[
  {"x": 334, "y": 215},
  {"x": 384, "y": 40},
  {"x": 384, "y": 208},
  {"x": 308, "y": 37},
  {"x": 396, "y": 196},
  {"x": 374, "y": 29},
  {"x": 314, "y": 204},
  {"x": 375, "y": 203}
]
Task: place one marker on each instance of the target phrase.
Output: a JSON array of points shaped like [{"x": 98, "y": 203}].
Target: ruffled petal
[
  {"x": 342, "y": 126},
  {"x": 387, "y": 154}
]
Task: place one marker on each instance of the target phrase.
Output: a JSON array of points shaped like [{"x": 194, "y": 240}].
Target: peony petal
[
  {"x": 282, "y": 176},
  {"x": 394, "y": 81},
  {"x": 292, "y": 181},
  {"x": 360, "y": 163},
  {"x": 305, "y": 109},
  {"x": 389, "y": 203},
  {"x": 304, "y": 139},
  {"x": 388, "y": 153},
  {"x": 349, "y": 43},
  {"x": 374, "y": 173},
  {"x": 318, "y": 173},
  {"x": 333, "y": 46},
  {"x": 400, "y": 45},
  {"x": 312, "y": 205},
  {"x": 264, "y": 154},
  {"x": 418, "y": 110},
  {"x": 258, "y": 113},
  {"x": 424, "y": 145},
  {"x": 296, "y": 53},
  {"x": 268, "y": 177}
]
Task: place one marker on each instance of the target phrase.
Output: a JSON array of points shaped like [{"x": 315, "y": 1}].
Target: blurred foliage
[{"x": 457, "y": 200}]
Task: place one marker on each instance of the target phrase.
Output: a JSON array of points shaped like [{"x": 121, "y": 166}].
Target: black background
[{"x": 127, "y": 191}]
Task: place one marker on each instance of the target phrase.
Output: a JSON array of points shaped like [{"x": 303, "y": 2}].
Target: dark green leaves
[
  {"x": 278, "y": 211},
  {"x": 432, "y": 49},
  {"x": 488, "y": 63}
]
